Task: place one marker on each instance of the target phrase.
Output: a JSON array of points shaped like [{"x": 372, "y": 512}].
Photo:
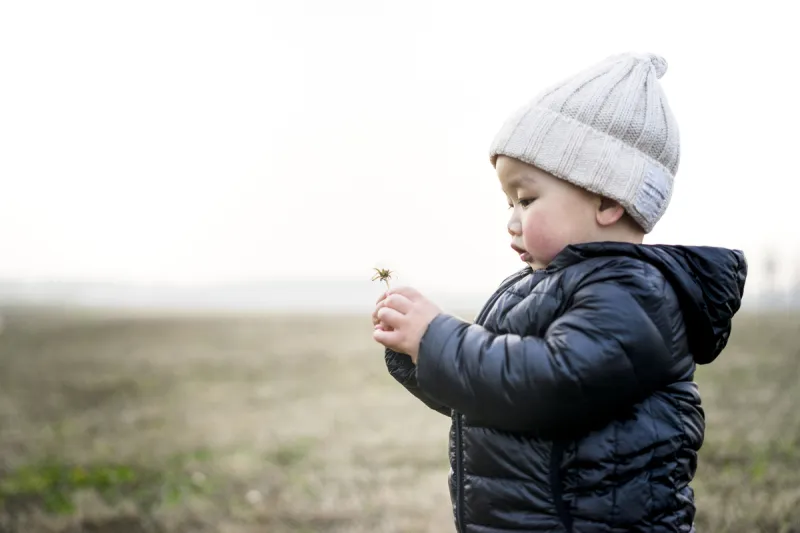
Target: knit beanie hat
[{"x": 608, "y": 129}]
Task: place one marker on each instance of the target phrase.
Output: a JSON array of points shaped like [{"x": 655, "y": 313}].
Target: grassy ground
[{"x": 249, "y": 424}]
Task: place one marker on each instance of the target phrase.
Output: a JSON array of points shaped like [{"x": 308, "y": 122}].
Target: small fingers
[
  {"x": 390, "y": 339},
  {"x": 398, "y": 302},
  {"x": 410, "y": 293},
  {"x": 380, "y": 302},
  {"x": 389, "y": 317}
]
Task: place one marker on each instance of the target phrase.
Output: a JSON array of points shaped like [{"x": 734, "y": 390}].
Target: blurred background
[{"x": 194, "y": 195}]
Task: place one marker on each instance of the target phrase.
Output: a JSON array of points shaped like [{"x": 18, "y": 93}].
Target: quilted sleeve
[
  {"x": 603, "y": 353},
  {"x": 405, "y": 372}
]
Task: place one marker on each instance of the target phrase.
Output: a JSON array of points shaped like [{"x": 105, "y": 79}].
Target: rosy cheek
[{"x": 541, "y": 236}]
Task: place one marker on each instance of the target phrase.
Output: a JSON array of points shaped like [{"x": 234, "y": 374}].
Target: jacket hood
[{"x": 709, "y": 282}]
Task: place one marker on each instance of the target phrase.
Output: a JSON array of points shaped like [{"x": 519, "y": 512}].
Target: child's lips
[{"x": 523, "y": 255}]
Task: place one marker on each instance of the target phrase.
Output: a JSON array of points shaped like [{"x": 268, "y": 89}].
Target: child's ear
[{"x": 608, "y": 212}]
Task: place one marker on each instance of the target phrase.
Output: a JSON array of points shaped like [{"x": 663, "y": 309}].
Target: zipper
[
  {"x": 556, "y": 455},
  {"x": 459, "y": 476},
  {"x": 458, "y": 419}
]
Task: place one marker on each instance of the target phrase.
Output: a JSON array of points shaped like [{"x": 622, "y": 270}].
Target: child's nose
[{"x": 514, "y": 228}]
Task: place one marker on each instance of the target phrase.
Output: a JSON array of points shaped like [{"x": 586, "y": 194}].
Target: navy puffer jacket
[{"x": 572, "y": 396}]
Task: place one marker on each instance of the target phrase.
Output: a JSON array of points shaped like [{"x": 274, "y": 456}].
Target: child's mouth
[{"x": 523, "y": 255}]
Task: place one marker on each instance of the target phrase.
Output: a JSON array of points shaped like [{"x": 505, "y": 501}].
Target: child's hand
[
  {"x": 402, "y": 318},
  {"x": 376, "y": 322}
]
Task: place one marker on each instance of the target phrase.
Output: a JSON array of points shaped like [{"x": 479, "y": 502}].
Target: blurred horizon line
[
  {"x": 269, "y": 295},
  {"x": 313, "y": 295}
]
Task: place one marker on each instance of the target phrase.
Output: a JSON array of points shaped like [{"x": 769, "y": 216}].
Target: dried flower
[{"x": 384, "y": 275}]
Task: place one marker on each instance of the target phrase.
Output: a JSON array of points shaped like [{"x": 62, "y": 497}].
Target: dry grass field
[{"x": 125, "y": 424}]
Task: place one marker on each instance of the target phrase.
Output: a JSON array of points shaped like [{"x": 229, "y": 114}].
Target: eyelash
[{"x": 524, "y": 202}]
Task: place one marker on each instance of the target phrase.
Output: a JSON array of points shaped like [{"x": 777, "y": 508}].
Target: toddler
[{"x": 572, "y": 397}]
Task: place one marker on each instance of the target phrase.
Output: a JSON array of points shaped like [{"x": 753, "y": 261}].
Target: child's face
[{"x": 547, "y": 213}]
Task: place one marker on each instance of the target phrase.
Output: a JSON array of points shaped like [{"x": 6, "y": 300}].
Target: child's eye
[{"x": 525, "y": 202}]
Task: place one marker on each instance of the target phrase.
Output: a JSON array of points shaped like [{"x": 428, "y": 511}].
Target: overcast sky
[{"x": 200, "y": 142}]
